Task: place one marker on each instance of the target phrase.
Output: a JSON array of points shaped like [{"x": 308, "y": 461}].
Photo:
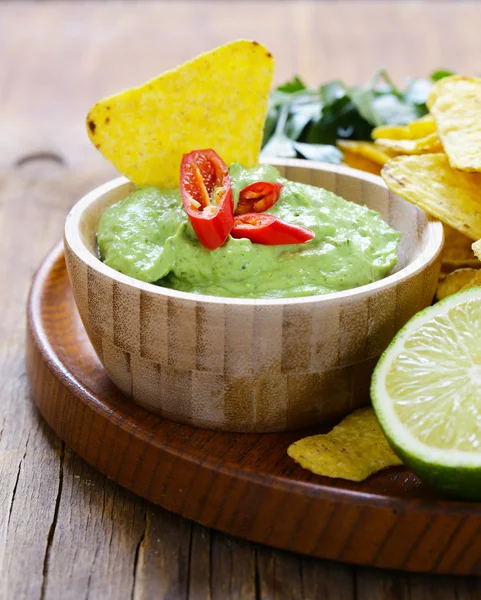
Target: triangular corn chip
[
  {"x": 354, "y": 449},
  {"x": 428, "y": 181},
  {"x": 217, "y": 100},
  {"x": 455, "y": 103}
]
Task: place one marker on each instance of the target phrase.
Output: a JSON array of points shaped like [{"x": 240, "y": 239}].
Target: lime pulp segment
[{"x": 426, "y": 388}]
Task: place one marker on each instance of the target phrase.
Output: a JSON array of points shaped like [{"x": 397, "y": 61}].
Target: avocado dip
[{"x": 148, "y": 236}]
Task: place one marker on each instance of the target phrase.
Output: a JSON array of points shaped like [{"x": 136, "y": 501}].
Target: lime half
[{"x": 426, "y": 392}]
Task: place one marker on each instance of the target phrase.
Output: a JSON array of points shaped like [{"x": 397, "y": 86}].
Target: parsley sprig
[{"x": 306, "y": 123}]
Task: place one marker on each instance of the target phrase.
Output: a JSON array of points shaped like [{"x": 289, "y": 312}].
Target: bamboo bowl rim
[{"x": 74, "y": 239}]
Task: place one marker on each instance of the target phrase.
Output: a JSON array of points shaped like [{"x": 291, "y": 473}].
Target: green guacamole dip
[{"x": 148, "y": 236}]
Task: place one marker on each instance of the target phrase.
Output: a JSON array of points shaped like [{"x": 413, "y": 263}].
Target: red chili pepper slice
[
  {"x": 258, "y": 197},
  {"x": 206, "y": 192},
  {"x": 269, "y": 230}
]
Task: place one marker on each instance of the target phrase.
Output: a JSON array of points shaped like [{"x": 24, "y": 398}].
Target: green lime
[{"x": 426, "y": 392}]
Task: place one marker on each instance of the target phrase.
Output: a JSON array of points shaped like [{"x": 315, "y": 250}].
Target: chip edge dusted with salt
[
  {"x": 354, "y": 449},
  {"x": 215, "y": 100}
]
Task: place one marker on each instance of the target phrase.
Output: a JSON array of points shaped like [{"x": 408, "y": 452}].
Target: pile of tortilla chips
[
  {"x": 435, "y": 163},
  {"x": 445, "y": 180}
]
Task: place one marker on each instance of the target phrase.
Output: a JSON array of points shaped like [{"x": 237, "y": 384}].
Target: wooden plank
[
  {"x": 232, "y": 568},
  {"x": 423, "y": 587},
  {"x": 163, "y": 561},
  {"x": 380, "y": 585},
  {"x": 200, "y": 563},
  {"x": 96, "y": 536},
  {"x": 327, "y": 580},
  {"x": 279, "y": 575},
  {"x": 30, "y": 454}
]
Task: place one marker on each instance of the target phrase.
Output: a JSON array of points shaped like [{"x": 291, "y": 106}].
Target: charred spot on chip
[
  {"x": 269, "y": 55},
  {"x": 255, "y": 43},
  {"x": 107, "y": 120},
  {"x": 108, "y": 107},
  {"x": 92, "y": 126},
  {"x": 97, "y": 146}
]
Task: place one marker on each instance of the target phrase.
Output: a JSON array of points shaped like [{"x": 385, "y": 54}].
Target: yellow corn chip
[
  {"x": 457, "y": 246},
  {"x": 428, "y": 181},
  {"x": 455, "y": 103},
  {"x": 365, "y": 149},
  {"x": 354, "y": 449},
  {"x": 475, "y": 281},
  {"x": 425, "y": 145},
  {"x": 217, "y": 100},
  {"x": 412, "y": 131},
  {"x": 453, "y": 282},
  {"x": 457, "y": 251},
  {"x": 359, "y": 162}
]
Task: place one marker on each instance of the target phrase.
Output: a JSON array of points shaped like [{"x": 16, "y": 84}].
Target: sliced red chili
[
  {"x": 206, "y": 192},
  {"x": 258, "y": 197},
  {"x": 269, "y": 230}
]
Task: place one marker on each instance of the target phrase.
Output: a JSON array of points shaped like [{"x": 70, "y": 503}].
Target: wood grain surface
[{"x": 67, "y": 532}]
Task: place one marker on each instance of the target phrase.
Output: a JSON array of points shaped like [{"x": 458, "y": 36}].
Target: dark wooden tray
[{"x": 242, "y": 484}]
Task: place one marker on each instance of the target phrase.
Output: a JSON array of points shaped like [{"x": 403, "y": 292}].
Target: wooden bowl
[{"x": 251, "y": 365}]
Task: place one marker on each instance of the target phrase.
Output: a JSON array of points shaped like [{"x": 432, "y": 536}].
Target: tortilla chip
[
  {"x": 428, "y": 181},
  {"x": 354, "y": 449},
  {"x": 412, "y": 131},
  {"x": 457, "y": 251},
  {"x": 454, "y": 282},
  {"x": 475, "y": 281},
  {"x": 217, "y": 100},
  {"x": 455, "y": 103},
  {"x": 457, "y": 246},
  {"x": 359, "y": 162},
  {"x": 425, "y": 145},
  {"x": 365, "y": 149}
]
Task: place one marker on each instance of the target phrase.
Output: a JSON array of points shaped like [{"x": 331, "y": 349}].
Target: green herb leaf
[
  {"x": 418, "y": 91},
  {"x": 301, "y": 115},
  {"x": 319, "y": 152},
  {"x": 308, "y": 122},
  {"x": 440, "y": 74},
  {"x": 294, "y": 85}
]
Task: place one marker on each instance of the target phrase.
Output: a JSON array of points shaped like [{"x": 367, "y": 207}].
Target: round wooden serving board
[{"x": 242, "y": 484}]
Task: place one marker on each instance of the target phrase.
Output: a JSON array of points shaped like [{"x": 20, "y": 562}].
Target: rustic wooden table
[{"x": 66, "y": 531}]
